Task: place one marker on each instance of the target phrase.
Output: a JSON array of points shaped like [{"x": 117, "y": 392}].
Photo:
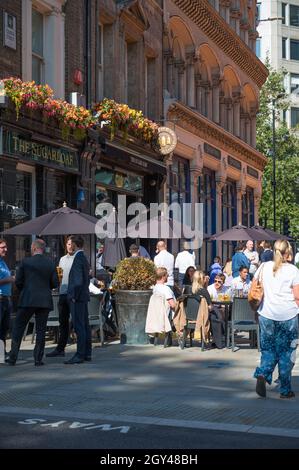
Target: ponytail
[{"x": 282, "y": 253}]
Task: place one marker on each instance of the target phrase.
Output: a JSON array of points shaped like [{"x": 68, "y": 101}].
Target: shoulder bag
[{"x": 256, "y": 291}]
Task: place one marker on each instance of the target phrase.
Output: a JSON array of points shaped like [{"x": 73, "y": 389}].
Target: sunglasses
[{"x": 218, "y": 282}]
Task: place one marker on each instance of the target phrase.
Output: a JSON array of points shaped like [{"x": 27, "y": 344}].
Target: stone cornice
[
  {"x": 214, "y": 26},
  {"x": 197, "y": 124}
]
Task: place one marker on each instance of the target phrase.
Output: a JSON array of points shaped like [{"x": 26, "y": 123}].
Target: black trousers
[
  {"x": 22, "y": 318},
  {"x": 79, "y": 311},
  {"x": 5, "y": 312},
  {"x": 217, "y": 327},
  {"x": 64, "y": 319}
]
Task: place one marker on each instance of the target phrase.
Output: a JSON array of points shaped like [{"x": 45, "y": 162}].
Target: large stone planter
[{"x": 131, "y": 308}]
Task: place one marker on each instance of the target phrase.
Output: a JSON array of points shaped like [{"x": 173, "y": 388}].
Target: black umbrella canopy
[
  {"x": 62, "y": 221},
  {"x": 238, "y": 232},
  {"x": 271, "y": 234}
]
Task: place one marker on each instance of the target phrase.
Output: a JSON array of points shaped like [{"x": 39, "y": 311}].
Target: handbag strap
[{"x": 260, "y": 278}]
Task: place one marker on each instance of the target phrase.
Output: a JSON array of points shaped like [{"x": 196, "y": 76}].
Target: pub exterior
[{"x": 39, "y": 170}]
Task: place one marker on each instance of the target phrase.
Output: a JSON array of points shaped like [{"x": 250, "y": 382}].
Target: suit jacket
[
  {"x": 78, "y": 286},
  {"x": 35, "y": 278}
]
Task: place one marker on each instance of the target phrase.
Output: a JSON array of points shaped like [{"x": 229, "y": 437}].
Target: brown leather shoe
[{"x": 290, "y": 394}]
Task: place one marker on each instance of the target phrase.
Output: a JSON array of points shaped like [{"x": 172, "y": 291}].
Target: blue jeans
[{"x": 278, "y": 345}]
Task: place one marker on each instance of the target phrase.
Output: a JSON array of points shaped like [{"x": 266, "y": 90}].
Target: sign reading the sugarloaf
[
  {"x": 167, "y": 140},
  {"x": 20, "y": 145}
]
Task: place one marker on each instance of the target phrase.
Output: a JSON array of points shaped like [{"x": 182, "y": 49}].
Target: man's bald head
[{"x": 161, "y": 245}]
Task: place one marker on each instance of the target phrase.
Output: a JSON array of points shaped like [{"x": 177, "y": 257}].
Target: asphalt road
[{"x": 30, "y": 432}]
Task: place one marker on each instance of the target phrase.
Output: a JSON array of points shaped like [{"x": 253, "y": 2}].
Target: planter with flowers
[
  {"x": 32, "y": 97},
  {"x": 132, "y": 282},
  {"x": 130, "y": 122}
]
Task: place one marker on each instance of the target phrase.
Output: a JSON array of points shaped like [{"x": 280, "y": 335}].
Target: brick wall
[
  {"x": 74, "y": 45},
  {"x": 10, "y": 59}
]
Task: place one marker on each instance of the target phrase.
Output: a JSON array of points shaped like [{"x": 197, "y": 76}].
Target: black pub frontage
[
  {"x": 39, "y": 170},
  {"x": 130, "y": 168}
]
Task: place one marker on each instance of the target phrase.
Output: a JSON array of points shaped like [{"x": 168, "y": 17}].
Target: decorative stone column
[
  {"x": 198, "y": 92},
  {"x": 236, "y": 113},
  {"x": 215, "y": 98},
  {"x": 253, "y": 113},
  {"x": 180, "y": 90},
  {"x": 222, "y": 108},
  {"x": 190, "y": 78},
  {"x": 229, "y": 115},
  {"x": 166, "y": 75}
]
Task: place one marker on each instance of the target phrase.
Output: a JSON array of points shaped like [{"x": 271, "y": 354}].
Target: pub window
[
  {"x": 37, "y": 47},
  {"x": 248, "y": 208}
]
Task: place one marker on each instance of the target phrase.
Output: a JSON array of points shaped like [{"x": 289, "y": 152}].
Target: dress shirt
[{"x": 164, "y": 259}]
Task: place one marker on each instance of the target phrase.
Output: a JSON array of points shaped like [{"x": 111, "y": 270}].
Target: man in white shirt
[
  {"x": 253, "y": 258},
  {"x": 65, "y": 263},
  {"x": 241, "y": 283},
  {"x": 218, "y": 288},
  {"x": 184, "y": 260},
  {"x": 164, "y": 259}
]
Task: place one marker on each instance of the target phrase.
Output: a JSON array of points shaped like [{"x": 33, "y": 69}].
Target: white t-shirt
[
  {"x": 296, "y": 260},
  {"x": 239, "y": 284},
  {"x": 253, "y": 258},
  {"x": 166, "y": 291},
  {"x": 164, "y": 259},
  {"x": 183, "y": 260},
  {"x": 278, "y": 302},
  {"x": 214, "y": 292}
]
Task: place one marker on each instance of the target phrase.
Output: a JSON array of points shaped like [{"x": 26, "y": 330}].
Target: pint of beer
[{"x": 59, "y": 273}]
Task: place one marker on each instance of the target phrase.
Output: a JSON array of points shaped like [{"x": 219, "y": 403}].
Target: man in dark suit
[
  {"x": 78, "y": 296},
  {"x": 35, "y": 278}
]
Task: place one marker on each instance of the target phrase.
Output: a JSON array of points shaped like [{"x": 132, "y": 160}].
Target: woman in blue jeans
[{"x": 278, "y": 319}]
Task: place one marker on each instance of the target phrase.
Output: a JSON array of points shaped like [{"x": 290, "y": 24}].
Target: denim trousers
[{"x": 278, "y": 346}]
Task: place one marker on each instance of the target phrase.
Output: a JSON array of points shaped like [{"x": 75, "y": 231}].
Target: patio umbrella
[
  {"x": 62, "y": 221},
  {"x": 271, "y": 234},
  {"x": 114, "y": 252},
  {"x": 161, "y": 227},
  {"x": 238, "y": 232}
]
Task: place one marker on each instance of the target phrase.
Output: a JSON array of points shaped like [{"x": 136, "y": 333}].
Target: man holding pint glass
[{"x": 64, "y": 267}]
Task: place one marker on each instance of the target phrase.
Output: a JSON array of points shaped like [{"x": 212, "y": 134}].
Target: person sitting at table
[
  {"x": 241, "y": 283},
  {"x": 218, "y": 288},
  {"x": 197, "y": 290},
  {"x": 187, "y": 281}
]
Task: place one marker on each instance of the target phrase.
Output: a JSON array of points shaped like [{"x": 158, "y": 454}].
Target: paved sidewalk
[{"x": 146, "y": 384}]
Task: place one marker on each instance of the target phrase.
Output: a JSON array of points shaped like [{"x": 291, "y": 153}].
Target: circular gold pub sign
[{"x": 167, "y": 140}]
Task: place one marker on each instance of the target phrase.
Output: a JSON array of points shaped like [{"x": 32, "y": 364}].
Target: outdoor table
[{"x": 227, "y": 310}]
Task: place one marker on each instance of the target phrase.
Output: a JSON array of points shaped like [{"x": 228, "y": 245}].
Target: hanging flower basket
[
  {"x": 70, "y": 118},
  {"x": 119, "y": 117}
]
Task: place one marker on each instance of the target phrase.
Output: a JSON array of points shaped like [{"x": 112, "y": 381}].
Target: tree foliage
[{"x": 287, "y": 156}]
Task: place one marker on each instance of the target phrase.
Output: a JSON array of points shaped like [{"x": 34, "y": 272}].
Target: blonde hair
[
  {"x": 228, "y": 268},
  {"x": 160, "y": 273},
  {"x": 198, "y": 281},
  {"x": 282, "y": 254}
]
